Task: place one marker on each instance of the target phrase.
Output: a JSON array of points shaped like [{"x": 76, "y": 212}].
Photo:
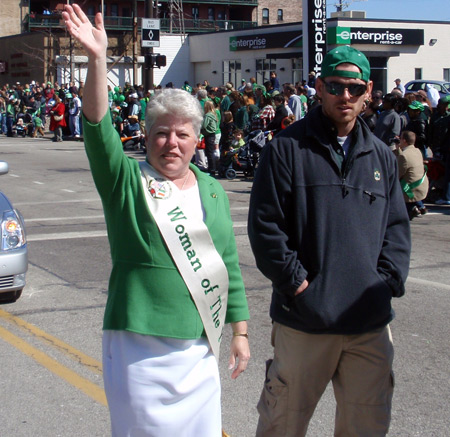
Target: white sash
[{"x": 192, "y": 250}]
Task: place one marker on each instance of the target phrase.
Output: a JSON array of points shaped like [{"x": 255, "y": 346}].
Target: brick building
[{"x": 34, "y": 44}]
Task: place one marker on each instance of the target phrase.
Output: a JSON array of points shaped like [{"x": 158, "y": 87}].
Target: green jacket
[
  {"x": 210, "y": 123},
  {"x": 146, "y": 294}
]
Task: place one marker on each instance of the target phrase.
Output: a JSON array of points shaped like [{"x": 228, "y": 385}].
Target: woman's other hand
[{"x": 240, "y": 350}]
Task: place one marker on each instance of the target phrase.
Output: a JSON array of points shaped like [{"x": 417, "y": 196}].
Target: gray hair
[
  {"x": 176, "y": 102},
  {"x": 202, "y": 94}
]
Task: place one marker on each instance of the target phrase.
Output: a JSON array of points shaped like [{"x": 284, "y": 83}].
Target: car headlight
[{"x": 13, "y": 233}]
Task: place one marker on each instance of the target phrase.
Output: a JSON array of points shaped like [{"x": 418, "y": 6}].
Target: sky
[{"x": 435, "y": 10}]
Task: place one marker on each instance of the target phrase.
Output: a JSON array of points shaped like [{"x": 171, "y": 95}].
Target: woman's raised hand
[{"x": 93, "y": 39}]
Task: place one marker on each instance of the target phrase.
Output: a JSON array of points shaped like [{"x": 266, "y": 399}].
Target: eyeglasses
[{"x": 337, "y": 89}]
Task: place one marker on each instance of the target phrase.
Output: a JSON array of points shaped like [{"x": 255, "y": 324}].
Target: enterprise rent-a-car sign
[
  {"x": 266, "y": 41},
  {"x": 367, "y": 35}
]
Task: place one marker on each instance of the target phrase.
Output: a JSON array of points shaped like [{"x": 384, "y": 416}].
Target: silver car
[
  {"x": 416, "y": 85},
  {"x": 13, "y": 250}
]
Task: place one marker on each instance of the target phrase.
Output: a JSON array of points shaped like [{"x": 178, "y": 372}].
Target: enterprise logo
[
  {"x": 346, "y": 36},
  {"x": 249, "y": 43}
]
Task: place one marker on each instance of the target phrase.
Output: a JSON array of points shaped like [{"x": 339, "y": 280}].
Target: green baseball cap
[
  {"x": 416, "y": 105},
  {"x": 345, "y": 54}
]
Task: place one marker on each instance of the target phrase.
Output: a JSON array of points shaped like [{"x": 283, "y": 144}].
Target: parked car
[
  {"x": 13, "y": 249},
  {"x": 416, "y": 85}
]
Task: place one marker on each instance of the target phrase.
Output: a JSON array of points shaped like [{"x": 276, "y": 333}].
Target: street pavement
[{"x": 50, "y": 339}]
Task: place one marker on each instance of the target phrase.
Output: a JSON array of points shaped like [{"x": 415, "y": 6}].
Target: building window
[
  {"x": 297, "y": 70},
  {"x": 265, "y": 16},
  {"x": 280, "y": 15},
  {"x": 211, "y": 15},
  {"x": 232, "y": 72},
  {"x": 447, "y": 74},
  {"x": 417, "y": 73},
  {"x": 114, "y": 10},
  {"x": 195, "y": 15},
  {"x": 263, "y": 69}
]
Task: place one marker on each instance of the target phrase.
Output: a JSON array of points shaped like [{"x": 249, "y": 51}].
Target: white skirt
[{"x": 161, "y": 387}]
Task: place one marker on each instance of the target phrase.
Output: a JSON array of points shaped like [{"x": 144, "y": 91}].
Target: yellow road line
[
  {"x": 82, "y": 384},
  {"x": 93, "y": 365}
]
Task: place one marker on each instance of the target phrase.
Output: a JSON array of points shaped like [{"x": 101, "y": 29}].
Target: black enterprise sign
[
  {"x": 266, "y": 41},
  {"x": 367, "y": 35}
]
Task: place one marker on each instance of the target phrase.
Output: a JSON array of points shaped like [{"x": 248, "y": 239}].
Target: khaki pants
[{"x": 359, "y": 366}]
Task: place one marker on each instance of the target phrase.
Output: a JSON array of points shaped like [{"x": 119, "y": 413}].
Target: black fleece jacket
[{"x": 340, "y": 223}]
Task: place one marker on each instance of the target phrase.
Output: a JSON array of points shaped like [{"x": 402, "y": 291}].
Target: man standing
[
  {"x": 294, "y": 102},
  {"x": 274, "y": 81},
  {"x": 399, "y": 86},
  {"x": 328, "y": 226},
  {"x": 389, "y": 124},
  {"x": 74, "y": 115},
  {"x": 413, "y": 177}
]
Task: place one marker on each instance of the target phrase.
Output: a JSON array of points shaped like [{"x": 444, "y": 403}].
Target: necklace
[{"x": 185, "y": 180}]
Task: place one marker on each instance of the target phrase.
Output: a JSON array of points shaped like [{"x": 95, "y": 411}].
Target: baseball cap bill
[{"x": 342, "y": 55}]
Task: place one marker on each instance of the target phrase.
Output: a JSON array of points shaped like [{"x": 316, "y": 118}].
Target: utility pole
[
  {"x": 148, "y": 71},
  {"x": 135, "y": 37}
]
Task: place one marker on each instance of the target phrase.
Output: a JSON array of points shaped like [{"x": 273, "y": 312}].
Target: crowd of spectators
[
  {"x": 30, "y": 109},
  {"x": 424, "y": 118},
  {"x": 231, "y": 112}
]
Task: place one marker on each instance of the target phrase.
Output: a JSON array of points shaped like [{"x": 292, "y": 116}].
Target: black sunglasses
[{"x": 337, "y": 89}]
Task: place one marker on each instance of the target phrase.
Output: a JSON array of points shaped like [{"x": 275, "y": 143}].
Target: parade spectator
[
  {"x": 377, "y": 99},
  {"x": 413, "y": 177},
  {"x": 238, "y": 139},
  {"x": 202, "y": 96},
  {"x": 226, "y": 101},
  {"x": 117, "y": 120},
  {"x": 302, "y": 92},
  {"x": 74, "y": 115},
  {"x": 280, "y": 114},
  {"x": 269, "y": 88},
  {"x": 294, "y": 101},
  {"x": 49, "y": 91},
  {"x": 311, "y": 79},
  {"x": 418, "y": 125},
  {"x": 209, "y": 127},
  {"x": 369, "y": 115},
  {"x": 263, "y": 118},
  {"x": 57, "y": 120},
  {"x": 433, "y": 95},
  {"x": 2, "y": 115},
  {"x": 38, "y": 126},
  {"x": 248, "y": 94},
  {"x": 422, "y": 97},
  {"x": 388, "y": 124},
  {"x": 399, "y": 86},
  {"x": 11, "y": 111},
  {"x": 439, "y": 127},
  {"x": 274, "y": 81},
  {"x": 228, "y": 128},
  {"x": 237, "y": 101}
]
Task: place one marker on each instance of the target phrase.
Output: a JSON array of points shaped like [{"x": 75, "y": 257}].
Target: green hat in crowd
[
  {"x": 345, "y": 54},
  {"x": 416, "y": 105}
]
